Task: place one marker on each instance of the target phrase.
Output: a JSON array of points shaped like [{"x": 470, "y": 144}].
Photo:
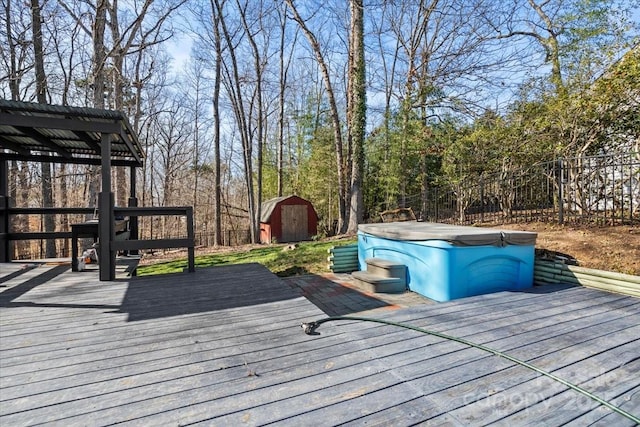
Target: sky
[{"x": 180, "y": 49}]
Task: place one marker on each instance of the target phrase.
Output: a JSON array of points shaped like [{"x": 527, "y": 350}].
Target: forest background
[{"x": 358, "y": 106}]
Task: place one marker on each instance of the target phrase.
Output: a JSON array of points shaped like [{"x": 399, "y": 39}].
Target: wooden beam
[
  {"x": 129, "y": 144},
  {"x": 5, "y": 223},
  {"x": 33, "y": 133},
  {"x": 48, "y": 211},
  {"x": 106, "y": 255},
  {"x": 86, "y": 138},
  {"x": 58, "y": 123},
  {"x": 39, "y": 235},
  {"x": 14, "y": 146},
  {"x": 73, "y": 160},
  {"x": 152, "y": 210},
  {"x": 125, "y": 245}
]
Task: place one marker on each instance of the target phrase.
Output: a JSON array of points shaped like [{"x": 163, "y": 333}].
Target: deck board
[{"x": 224, "y": 346}]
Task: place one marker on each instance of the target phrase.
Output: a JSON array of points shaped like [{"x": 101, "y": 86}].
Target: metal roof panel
[{"x": 66, "y": 130}]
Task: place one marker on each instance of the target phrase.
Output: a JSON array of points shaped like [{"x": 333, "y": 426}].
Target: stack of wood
[
  {"x": 400, "y": 214},
  {"x": 547, "y": 271},
  {"x": 343, "y": 259}
]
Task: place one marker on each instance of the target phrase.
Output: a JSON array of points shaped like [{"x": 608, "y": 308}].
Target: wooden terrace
[{"x": 223, "y": 346}]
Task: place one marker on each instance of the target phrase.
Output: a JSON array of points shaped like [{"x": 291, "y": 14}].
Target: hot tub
[{"x": 446, "y": 262}]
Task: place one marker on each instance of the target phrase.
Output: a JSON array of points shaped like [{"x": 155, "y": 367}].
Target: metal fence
[
  {"x": 603, "y": 189},
  {"x": 234, "y": 237}
]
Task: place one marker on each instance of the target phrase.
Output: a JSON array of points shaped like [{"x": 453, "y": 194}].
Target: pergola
[{"x": 61, "y": 134}]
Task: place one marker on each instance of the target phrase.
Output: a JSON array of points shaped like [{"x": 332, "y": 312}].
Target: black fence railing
[
  {"x": 230, "y": 237},
  {"x": 602, "y": 189},
  {"x": 129, "y": 244}
]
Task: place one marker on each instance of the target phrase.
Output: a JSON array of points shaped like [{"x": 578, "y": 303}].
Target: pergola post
[
  {"x": 5, "y": 245},
  {"x": 106, "y": 234},
  {"x": 133, "y": 202}
]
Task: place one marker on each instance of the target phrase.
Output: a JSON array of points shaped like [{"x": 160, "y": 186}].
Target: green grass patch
[{"x": 307, "y": 258}]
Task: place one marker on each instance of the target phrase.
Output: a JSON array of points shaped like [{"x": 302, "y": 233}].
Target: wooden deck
[{"x": 223, "y": 346}]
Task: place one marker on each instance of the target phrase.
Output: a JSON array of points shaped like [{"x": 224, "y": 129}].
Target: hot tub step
[
  {"x": 385, "y": 268},
  {"x": 375, "y": 283}
]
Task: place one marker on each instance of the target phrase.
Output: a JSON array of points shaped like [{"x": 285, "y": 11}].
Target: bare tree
[
  {"x": 258, "y": 112},
  {"x": 110, "y": 51},
  {"x": 281, "y": 97},
  {"x": 99, "y": 60},
  {"x": 36, "y": 28},
  {"x": 387, "y": 75},
  {"x": 516, "y": 22},
  {"x": 15, "y": 57},
  {"x": 216, "y": 125},
  {"x": 173, "y": 132},
  {"x": 195, "y": 88},
  {"x": 41, "y": 95},
  {"x": 17, "y": 27},
  {"x": 243, "y": 85},
  {"x": 335, "y": 117},
  {"x": 283, "y": 77},
  {"x": 98, "y": 78},
  {"x": 67, "y": 39},
  {"x": 133, "y": 38},
  {"x": 151, "y": 82}
]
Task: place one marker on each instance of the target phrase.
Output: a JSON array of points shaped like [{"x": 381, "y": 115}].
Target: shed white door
[{"x": 294, "y": 223}]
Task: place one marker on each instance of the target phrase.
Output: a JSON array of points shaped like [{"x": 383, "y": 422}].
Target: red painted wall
[{"x": 265, "y": 232}]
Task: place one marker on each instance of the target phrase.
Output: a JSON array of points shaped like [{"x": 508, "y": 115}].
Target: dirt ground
[{"x": 615, "y": 248}]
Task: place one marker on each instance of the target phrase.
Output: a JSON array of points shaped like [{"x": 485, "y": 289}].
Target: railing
[
  {"x": 601, "y": 189},
  {"x": 133, "y": 244}
]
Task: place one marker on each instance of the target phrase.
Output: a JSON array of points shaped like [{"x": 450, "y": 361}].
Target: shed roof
[
  {"x": 269, "y": 206},
  {"x": 66, "y": 134}
]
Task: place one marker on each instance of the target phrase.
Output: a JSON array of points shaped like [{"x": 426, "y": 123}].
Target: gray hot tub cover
[{"x": 454, "y": 234}]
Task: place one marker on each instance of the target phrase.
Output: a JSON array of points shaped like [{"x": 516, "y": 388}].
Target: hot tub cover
[{"x": 454, "y": 234}]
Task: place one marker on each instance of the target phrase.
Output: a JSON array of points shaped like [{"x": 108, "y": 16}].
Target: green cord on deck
[{"x": 310, "y": 328}]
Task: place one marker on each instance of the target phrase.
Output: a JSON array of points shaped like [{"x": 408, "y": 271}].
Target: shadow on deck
[
  {"x": 208, "y": 289},
  {"x": 148, "y": 297}
]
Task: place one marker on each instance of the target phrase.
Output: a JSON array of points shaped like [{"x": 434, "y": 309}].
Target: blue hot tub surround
[{"x": 446, "y": 262}]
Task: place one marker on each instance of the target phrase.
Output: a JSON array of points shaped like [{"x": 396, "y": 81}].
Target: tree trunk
[
  {"x": 14, "y": 78},
  {"x": 97, "y": 72},
  {"x": 281, "y": 94},
  {"x": 552, "y": 47},
  {"x": 243, "y": 119},
  {"x": 196, "y": 153},
  {"x": 216, "y": 128},
  {"x": 14, "y": 89},
  {"x": 121, "y": 46},
  {"x": 257, "y": 208},
  {"x": 41, "y": 94},
  {"x": 117, "y": 101},
  {"x": 357, "y": 111}
]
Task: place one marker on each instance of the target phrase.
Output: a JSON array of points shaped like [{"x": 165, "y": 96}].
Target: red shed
[{"x": 287, "y": 219}]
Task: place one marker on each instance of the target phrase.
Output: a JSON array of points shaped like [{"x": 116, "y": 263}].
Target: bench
[{"x": 90, "y": 229}]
